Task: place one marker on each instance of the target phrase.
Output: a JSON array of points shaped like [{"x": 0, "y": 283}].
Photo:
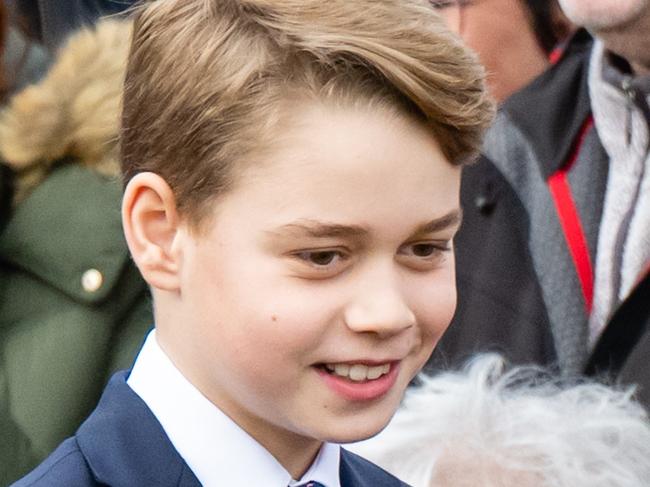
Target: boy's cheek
[{"x": 436, "y": 304}]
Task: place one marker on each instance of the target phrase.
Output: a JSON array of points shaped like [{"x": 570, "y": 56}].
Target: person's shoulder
[
  {"x": 566, "y": 75},
  {"x": 559, "y": 94},
  {"x": 65, "y": 467},
  {"x": 356, "y": 471},
  {"x": 536, "y": 127}
]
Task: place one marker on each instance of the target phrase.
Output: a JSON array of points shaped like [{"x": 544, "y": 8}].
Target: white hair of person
[{"x": 493, "y": 424}]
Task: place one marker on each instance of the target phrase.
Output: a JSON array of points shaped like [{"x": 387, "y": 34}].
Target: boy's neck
[
  {"x": 297, "y": 458},
  {"x": 294, "y": 452}
]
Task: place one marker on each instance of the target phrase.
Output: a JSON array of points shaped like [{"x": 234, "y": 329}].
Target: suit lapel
[
  {"x": 355, "y": 471},
  {"x": 124, "y": 444}
]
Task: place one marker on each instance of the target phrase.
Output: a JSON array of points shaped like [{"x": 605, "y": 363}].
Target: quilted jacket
[{"x": 73, "y": 307}]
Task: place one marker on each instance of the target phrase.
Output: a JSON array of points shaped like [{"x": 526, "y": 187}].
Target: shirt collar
[{"x": 215, "y": 448}]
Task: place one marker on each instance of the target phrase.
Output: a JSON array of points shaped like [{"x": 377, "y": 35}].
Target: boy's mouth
[
  {"x": 358, "y": 372},
  {"x": 358, "y": 381}
]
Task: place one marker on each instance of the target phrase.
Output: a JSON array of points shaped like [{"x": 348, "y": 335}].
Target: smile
[
  {"x": 358, "y": 372},
  {"x": 359, "y": 382}
]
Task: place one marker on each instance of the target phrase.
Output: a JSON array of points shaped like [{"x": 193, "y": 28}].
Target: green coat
[{"x": 73, "y": 309}]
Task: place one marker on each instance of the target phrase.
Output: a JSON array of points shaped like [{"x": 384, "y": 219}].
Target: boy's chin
[{"x": 361, "y": 430}]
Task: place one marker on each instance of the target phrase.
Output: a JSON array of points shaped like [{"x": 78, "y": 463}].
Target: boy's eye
[
  {"x": 424, "y": 255},
  {"x": 423, "y": 249},
  {"x": 320, "y": 263},
  {"x": 320, "y": 258}
]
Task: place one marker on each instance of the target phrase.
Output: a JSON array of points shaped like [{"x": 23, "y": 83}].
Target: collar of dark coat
[
  {"x": 67, "y": 226},
  {"x": 124, "y": 444},
  {"x": 626, "y": 329},
  {"x": 553, "y": 108},
  {"x": 356, "y": 471}
]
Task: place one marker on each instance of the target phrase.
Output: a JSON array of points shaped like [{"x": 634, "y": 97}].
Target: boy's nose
[{"x": 380, "y": 310}]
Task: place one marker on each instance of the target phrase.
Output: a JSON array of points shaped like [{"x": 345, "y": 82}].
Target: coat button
[
  {"x": 486, "y": 199},
  {"x": 92, "y": 280}
]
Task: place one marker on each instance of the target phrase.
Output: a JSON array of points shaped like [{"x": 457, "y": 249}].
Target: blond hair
[{"x": 207, "y": 81}]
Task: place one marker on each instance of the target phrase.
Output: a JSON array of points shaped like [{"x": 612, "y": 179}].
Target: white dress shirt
[{"x": 215, "y": 448}]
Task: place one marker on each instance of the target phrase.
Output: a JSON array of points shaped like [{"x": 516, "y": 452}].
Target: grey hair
[{"x": 521, "y": 421}]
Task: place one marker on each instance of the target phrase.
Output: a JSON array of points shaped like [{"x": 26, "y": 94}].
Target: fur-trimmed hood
[{"x": 73, "y": 113}]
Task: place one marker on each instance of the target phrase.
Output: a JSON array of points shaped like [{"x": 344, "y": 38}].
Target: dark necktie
[{"x": 311, "y": 483}]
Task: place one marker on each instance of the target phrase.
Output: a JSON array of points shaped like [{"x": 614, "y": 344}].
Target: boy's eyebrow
[
  {"x": 451, "y": 219},
  {"x": 320, "y": 229}
]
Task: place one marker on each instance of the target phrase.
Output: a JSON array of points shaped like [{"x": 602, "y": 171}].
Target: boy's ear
[{"x": 151, "y": 224}]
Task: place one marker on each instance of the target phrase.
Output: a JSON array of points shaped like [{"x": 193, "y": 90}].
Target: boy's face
[{"x": 323, "y": 279}]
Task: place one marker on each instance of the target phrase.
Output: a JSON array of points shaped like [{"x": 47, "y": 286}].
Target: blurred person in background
[
  {"x": 22, "y": 61},
  {"x": 51, "y": 21},
  {"x": 523, "y": 428},
  {"x": 515, "y": 39},
  {"x": 554, "y": 253},
  {"x": 73, "y": 308}
]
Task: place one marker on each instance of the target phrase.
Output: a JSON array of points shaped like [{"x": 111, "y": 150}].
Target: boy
[{"x": 292, "y": 190}]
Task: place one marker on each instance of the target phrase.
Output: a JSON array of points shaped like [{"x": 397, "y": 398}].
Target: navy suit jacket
[{"x": 122, "y": 444}]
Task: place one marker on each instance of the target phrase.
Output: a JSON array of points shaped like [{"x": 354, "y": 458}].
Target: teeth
[
  {"x": 342, "y": 369},
  {"x": 358, "y": 372},
  {"x": 375, "y": 372}
]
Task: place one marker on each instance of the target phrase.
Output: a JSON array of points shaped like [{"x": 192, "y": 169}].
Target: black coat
[{"x": 501, "y": 303}]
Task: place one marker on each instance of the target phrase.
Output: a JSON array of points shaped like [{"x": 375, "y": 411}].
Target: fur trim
[{"x": 73, "y": 112}]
